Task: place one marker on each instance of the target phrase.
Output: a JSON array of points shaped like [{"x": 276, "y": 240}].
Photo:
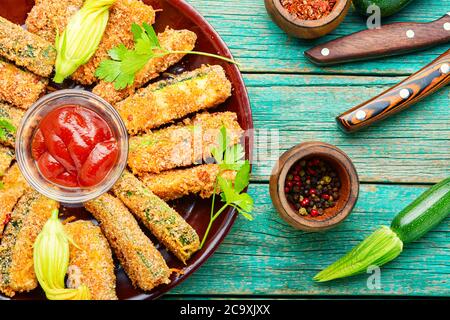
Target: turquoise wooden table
[{"x": 396, "y": 161}]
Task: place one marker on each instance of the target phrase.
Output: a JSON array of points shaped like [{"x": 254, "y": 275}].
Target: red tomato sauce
[{"x": 74, "y": 147}]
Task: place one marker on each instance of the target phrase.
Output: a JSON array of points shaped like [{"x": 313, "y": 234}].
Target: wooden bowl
[
  {"x": 307, "y": 29},
  {"x": 348, "y": 193}
]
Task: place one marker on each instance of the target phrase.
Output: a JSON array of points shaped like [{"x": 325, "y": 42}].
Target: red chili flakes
[{"x": 309, "y": 9}]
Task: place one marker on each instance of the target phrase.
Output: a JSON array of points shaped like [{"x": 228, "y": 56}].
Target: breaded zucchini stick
[
  {"x": 181, "y": 145},
  {"x": 174, "y": 184},
  {"x": 14, "y": 115},
  {"x": 163, "y": 221},
  {"x": 26, "y": 49},
  {"x": 19, "y": 87},
  {"x": 47, "y": 15},
  {"x": 14, "y": 186},
  {"x": 170, "y": 40},
  {"x": 16, "y": 251},
  {"x": 6, "y": 157},
  {"x": 138, "y": 256},
  {"x": 91, "y": 261},
  {"x": 168, "y": 100},
  {"x": 118, "y": 30}
]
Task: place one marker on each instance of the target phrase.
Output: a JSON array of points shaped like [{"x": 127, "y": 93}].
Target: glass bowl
[{"x": 29, "y": 124}]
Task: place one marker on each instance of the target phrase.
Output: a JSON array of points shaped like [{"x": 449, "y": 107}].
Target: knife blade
[
  {"x": 426, "y": 81},
  {"x": 390, "y": 39}
]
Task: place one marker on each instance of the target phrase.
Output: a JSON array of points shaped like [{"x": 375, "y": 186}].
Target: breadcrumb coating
[
  {"x": 26, "y": 49},
  {"x": 183, "y": 144},
  {"x": 142, "y": 262},
  {"x": 174, "y": 184},
  {"x": 163, "y": 221},
  {"x": 18, "y": 87},
  {"x": 118, "y": 31},
  {"x": 167, "y": 100},
  {"x": 14, "y": 186},
  {"x": 170, "y": 40},
  {"x": 16, "y": 250},
  {"x": 92, "y": 258},
  {"x": 47, "y": 15},
  {"x": 14, "y": 115},
  {"x": 6, "y": 158}
]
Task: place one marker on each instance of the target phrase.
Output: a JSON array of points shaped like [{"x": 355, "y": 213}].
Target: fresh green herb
[
  {"x": 125, "y": 63},
  {"x": 230, "y": 158},
  {"x": 148, "y": 142},
  {"x": 386, "y": 243},
  {"x": 30, "y": 51},
  {"x": 80, "y": 39},
  {"x": 2, "y": 186},
  {"x": 6, "y": 128},
  {"x": 147, "y": 214}
]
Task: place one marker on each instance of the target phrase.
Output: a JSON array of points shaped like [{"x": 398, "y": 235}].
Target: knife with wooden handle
[
  {"x": 421, "y": 84},
  {"x": 391, "y": 39}
]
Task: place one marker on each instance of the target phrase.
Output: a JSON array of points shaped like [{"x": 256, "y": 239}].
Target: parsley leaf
[
  {"x": 230, "y": 158},
  {"x": 126, "y": 63},
  {"x": 233, "y": 158},
  {"x": 218, "y": 151},
  {"x": 242, "y": 177},
  {"x": 108, "y": 70},
  {"x": 232, "y": 194},
  {"x": 118, "y": 53},
  {"x": 151, "y": 34},
  {"x": 6, "y": 128}
]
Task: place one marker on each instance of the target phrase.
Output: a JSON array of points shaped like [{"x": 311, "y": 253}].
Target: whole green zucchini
[
  {"x": 387, "y": 7},
  {"x": 385, "y": 244},
  {"x": 424, "y": 213}
]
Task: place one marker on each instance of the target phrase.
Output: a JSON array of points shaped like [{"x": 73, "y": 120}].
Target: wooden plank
[
  {"x": 413, "y": 146},
  {"x": 268, "y": 257},
  {"x": 262, "y": 47}
]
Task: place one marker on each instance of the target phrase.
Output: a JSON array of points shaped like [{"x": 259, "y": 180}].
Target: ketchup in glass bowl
[{"x": 72, "y": 146}]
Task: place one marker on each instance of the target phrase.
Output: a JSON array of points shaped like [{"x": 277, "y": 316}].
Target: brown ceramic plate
[{"x": 178, "y": 15}]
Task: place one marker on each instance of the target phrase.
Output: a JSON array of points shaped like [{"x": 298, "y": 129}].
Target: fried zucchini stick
[
  {"x": 163, "y": 221},
  {"x": 168, "y": 100},
  {"x": 138, "y": 256},
  {"x": 6, "y": 157},
  {"x": 26, "y": 49},
  {"x": 170, "y": 40},
  {"x": 118, "y": 31},
  {"x": 174, "y": 184},
  {"x": 90, "y": 261},
  {"x": 14, "y": 186},
  {"x": 19, "y": 87},
  {"x": 16, "y": 251},
  {"x": 181, "y": 145},
  {"x": 47, "y": 15},
  {"x": 13, "y": 115}
]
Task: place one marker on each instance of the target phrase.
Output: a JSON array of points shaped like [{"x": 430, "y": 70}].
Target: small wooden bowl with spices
[
  {"x": 307, "y": 19},
  {"x": 314, "y": 186}
]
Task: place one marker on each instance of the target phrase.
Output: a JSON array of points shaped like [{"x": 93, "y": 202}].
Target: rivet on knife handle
[
  {"x": 390, "y": 39},
  {"x": 421, "y": 84}
]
